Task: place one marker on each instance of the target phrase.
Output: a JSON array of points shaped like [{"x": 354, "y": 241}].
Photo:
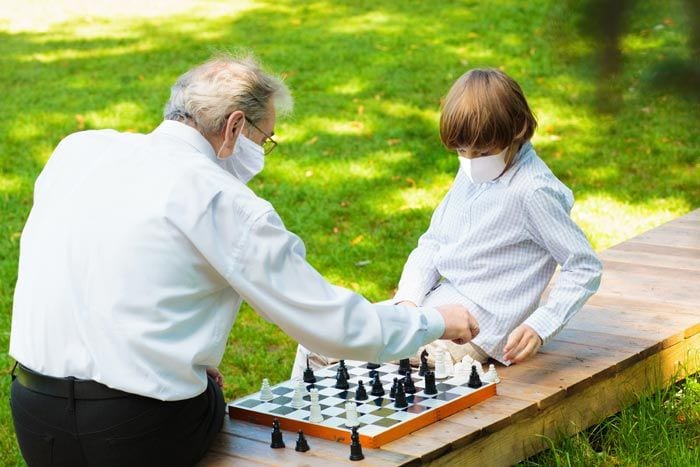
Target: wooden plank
[
  {"x": 636, "y": 305},
  {"x": 524, "y": 438},
  {"x": 433, "y": 441},
  {"x": 543, "y": 396},
  {"x": 253, "y": 442},
  {"x": 494, "y": 414},
  {"x": 670, "y": 235},
  {"x": 657, "y": 327},
  {"x": 653, "y": 288},
  {"x": 638, "y": 256}
]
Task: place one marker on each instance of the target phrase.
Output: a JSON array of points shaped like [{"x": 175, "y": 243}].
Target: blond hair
[
  {"x": 207, "y": 94},
  {"x": 485, "y": 110}
]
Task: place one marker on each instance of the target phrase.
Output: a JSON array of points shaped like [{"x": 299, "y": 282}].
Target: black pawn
[
  {"x": 408, "y": 385},
  {"x": 302, "y": 445},
  {"x": 309, "y": 376},
  {"x": 341, "y": 381},
  {"x": 344, "y": 369},
  {"x": 430, "y": 388},
  {"x": 474, "y": 380},
  {"x": 355, "y": 446},
  {"x": 423, "y": 368},
  {"x": 373, "y": 366},
  {"x": 361, "y": 392},
  {"x": 392, "y": 391},
  {"x": 377, "y": 388},
  {"x": 277, "y": 441},
  {"x": 400, "y": 400},
  {"x": 404, "y": 366}
]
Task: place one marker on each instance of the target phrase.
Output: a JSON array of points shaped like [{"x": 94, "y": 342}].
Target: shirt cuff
[
  {"x": 434, "y": 324},
  {"x": 543, "y": 324}
]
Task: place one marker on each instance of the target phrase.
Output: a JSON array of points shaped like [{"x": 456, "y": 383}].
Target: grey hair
[{"x": 207, "y": 94}]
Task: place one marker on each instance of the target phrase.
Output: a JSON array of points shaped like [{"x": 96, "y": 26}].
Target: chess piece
[
  {"x": 377, "y": 388},
  {"x": 440, "y": 370},
  {"x": 373, "y": 366},
  {"x": 400, "y": 400},
  {"x": 341, "y": 381},
  {"x": 467, "y": 360},
  {"x": 491, "y": 376},
  {"x": 430, "y": 388},
  {"x": 265, "y": 391},
  {"x": 309, "y": 376},
  {"x": 298, "y": 396},
  {"x": 474, "y": 380},
  {"x": 392, "y": 391},
  {"x": 302, "y": 444},
  {"x": 404, "y": 366},
  {"x": 449, "y": 365},
  {"x": 361, "y": 392},
  {"x": 351, "y": 415},
  {"x": 277, "y": 441},
  {"x": 479, "y": 368},
  {"x": 355, "y": 446},
  {"x": 315, "y": 410},
  {"x": 423, "y": 368},
  {"x": 344, "y": 369},
  {"x": 408, "y": 385},
  {"x": 461, "y": 373}
]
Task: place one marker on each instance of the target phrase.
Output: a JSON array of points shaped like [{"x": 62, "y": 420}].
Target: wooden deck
[{"x": 640, "y": 331}]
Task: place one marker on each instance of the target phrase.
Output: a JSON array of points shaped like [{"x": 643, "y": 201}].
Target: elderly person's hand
[
  {"x": 216, "y": 376},
  {"x": 460, "y": 325}
]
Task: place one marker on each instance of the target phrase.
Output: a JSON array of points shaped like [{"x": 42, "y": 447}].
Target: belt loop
[
  {"x": 14, "y": 376},
  {"x": 71, "y": 394}
]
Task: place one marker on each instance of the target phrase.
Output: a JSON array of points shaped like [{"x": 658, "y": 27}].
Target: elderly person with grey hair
[{"x": 133, "y": 264}]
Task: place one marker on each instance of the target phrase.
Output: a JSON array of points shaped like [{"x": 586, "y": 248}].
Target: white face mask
[
  {"x": 485, "y": 168},
  {"x": 246, "y": 160}
]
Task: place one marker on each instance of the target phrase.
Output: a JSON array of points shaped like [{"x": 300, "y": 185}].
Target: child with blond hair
[{"x": 495, "y": 240}]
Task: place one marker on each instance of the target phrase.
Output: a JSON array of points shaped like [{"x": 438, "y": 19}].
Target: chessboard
[{"x": 379, "y": 421}]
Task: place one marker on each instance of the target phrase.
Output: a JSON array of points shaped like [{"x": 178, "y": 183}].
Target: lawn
[{"x": 360, "y": 166}]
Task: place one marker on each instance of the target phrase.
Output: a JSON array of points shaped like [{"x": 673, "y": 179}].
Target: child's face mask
[{"x": 485, "y": 168}]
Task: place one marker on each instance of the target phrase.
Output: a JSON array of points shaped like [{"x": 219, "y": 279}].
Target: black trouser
[{"x": 125, "y": 430}]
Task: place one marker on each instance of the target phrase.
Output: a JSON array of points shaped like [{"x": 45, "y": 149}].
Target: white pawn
[
  {"x": 298, "y": 398},
  {"x": 265, "y": 391},
  {"x": 461, "y": 372},
  {"x": 440, "y": 371},
  {"x": 491, "y": 376},
  {"x": 301, "y": 387},
  {"x": 315, "y": 415},
  {"x": 351, "y": 415},
  {"x": 449, "y": 365}
]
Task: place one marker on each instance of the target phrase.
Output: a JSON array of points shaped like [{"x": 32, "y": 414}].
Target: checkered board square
[{"x": 380, "y": 421}]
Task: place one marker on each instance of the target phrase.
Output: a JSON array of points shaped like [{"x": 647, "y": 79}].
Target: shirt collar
[
  {"x": 523, "y": 155},
  {"x": 186, "y": 134}
]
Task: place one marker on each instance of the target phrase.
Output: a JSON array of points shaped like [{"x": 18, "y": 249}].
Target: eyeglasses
[{"x": 268, "y": 144}]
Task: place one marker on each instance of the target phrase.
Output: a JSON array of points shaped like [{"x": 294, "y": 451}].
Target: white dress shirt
[
  {"x": 136, "y": 256},
  {"x": 496, "y": 246}
]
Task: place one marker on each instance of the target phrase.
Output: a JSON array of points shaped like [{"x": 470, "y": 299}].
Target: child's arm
[
  {"x": 548, "y": 222},
  {"x": 419, "y": 273}
]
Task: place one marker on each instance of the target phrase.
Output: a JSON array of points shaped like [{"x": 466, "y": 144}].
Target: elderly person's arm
[{"x": 245, "y": 240}]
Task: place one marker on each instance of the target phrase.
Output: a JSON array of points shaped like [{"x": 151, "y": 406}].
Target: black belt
[{"x": 66, "y": 387}]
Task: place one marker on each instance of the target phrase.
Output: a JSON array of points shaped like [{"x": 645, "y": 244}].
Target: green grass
[
  {"x": 663, "y": 428},
  {"x": 360, "y": 167}
]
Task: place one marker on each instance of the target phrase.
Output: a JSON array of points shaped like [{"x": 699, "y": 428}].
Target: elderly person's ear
[{"x": 233, "y": 127}]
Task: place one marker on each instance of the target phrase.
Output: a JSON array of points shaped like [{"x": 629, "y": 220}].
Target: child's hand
[{"x": 522, "y": 344}]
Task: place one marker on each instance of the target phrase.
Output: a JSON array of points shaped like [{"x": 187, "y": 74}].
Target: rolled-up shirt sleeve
[{"x": 266, "y": 265}]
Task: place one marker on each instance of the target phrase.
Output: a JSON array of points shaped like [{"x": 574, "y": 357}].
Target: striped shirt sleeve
[{"x": 550, "y": 226}]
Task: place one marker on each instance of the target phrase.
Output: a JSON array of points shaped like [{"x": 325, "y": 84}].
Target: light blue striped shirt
[{"x": 497, "y": 245}]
